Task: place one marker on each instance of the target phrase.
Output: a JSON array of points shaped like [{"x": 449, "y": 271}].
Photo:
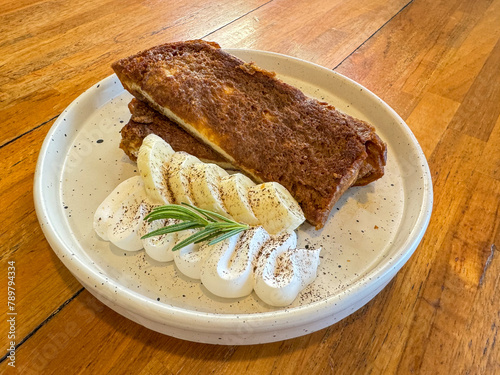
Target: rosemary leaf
[
  {"x": 195, "y": 238},
  {"x": 173, "y": 228},
  {"x": 213, "y": 226},
  {"x": 165, "y": 215},
  {"x": 226, "y": 235},
  {"x": 210, "y": 237},
  {"x": 224, "y": 225},
  {"x": 174, "y": 211},
  {"x": 210, "y": 214}
]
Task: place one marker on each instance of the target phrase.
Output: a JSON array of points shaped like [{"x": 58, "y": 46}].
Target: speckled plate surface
[{"x": 371, "y": 233}]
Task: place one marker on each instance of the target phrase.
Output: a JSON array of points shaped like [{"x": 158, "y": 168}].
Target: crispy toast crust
[{"x": 262, "y": 125}]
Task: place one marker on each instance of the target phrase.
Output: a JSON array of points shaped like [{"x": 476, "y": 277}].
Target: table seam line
[
  {"x": 236, "y": 19},
  {"x": 44, "y": 322},
  {"x": 27, "y": 132},
  {"x": 373, "y": 34}
]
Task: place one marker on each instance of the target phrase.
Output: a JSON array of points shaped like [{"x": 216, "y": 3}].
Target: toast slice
[{"x": 261, "y": 125}]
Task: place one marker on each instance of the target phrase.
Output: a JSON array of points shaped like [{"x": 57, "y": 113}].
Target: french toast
[{"x": 263, "y": 126}]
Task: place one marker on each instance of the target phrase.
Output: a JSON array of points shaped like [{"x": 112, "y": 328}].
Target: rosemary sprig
[{"x": 215, "y": 227}]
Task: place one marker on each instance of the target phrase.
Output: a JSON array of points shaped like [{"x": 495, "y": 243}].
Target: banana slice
[
  {"x": 175, "y": 172},
  {"x": 234, "y": 193},
  {"x": 153, "y": 155},
  {"x": 204, "y": 184},
  {"x": 275, "y": 208}
]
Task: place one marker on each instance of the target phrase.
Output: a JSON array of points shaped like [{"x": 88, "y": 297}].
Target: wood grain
[
  {"x": 435, "y": 62},
  {"x": 323, "y": 32},
  {"x": 52, "y": 62},
  {"x": 40, "y": 276},
  {"x": 479, "y": 110}
]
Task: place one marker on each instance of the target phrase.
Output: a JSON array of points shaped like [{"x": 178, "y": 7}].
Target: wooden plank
[
  {"x": 404, "y": 61},
  {"x": 323, "y": 32},
  {"x": 464, "y": 286},
  {"x": 430, "y": 118},
  {"x": 480, "y": 108},
  {"x": 42, "y": 282},
  {"x": 8, "y": 6},
  {"x": 72, "y": 338},
  {"x": 85, "y": 327},
  {"x": 463, "y": 61},
  {"x": 490, "y": 159},
  {"x": 54, "y": 36}
]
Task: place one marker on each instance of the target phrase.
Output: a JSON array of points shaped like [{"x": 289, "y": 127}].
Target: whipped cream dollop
[{"x": 254, "y": 260}]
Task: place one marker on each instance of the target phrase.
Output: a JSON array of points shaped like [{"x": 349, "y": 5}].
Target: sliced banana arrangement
[
  {"x": 204, "y": 185},
  {"x": 275, "y": 208},
  {"x": 263, "y": 258},
  {"x": 151, "y": 160},
  {"x": 177, "y": 177},
  {"x": 235, "y": 197}
]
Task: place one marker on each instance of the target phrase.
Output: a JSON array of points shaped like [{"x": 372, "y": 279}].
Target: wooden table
[{"x": 435, "y": 62}]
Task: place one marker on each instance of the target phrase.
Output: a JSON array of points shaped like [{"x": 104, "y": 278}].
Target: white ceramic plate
[{"x": 371, "y": 233}]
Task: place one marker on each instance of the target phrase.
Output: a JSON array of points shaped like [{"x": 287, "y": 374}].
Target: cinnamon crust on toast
[{"x": 265, "y": 127}]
